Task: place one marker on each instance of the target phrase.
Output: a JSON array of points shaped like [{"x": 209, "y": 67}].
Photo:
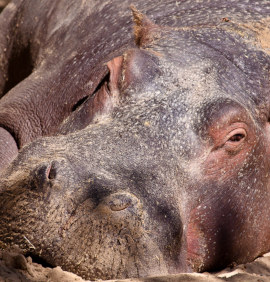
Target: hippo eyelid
[
  {"x": 237, "y": 135},
  {"x": 103, "y": 81},
  {"x": 79, "y": 103},
  {"x": 235, "y": 140}
]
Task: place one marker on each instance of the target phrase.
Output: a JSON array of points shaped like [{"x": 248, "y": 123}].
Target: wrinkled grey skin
[{"x": 174, "y": 176}]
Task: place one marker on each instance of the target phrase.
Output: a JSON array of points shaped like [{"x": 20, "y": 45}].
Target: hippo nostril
[
  {"x": 43, "y": 175},
  {"x": 121, "y": 201},
  {"x": 40, "y": 177},
  {"x": 51, "y": 171},
  {"x": 48, "y": 171}
]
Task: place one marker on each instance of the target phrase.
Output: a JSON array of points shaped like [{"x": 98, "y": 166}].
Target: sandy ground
[{"x": 15, "y": 267}]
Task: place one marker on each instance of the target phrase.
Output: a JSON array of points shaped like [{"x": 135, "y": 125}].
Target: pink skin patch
[{"x": 196, "y": 244}]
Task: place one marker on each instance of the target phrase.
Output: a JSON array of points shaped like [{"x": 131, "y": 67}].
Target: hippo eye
[{"x": 236, "y": 136}]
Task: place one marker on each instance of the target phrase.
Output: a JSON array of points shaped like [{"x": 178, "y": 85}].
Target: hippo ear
[{"x": 145, "y": 30}]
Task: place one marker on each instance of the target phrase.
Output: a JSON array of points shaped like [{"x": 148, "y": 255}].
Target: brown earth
[{"x": 15, "y": 267}]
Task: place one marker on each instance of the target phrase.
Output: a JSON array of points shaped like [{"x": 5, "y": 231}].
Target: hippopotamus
[{"x": 135, "y": 140}]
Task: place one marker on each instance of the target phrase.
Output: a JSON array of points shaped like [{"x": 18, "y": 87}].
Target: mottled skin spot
[{"x": 143, "y": 144}]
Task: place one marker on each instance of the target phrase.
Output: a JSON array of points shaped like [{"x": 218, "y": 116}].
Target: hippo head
[{"x": 171, "y": 173}]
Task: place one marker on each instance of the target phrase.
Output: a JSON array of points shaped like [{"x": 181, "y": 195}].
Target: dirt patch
[
  {"x": 262, "y": 33},
  {"x": 16, "y": 267}
]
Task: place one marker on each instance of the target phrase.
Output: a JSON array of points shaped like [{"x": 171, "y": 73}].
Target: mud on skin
[{"x": 139, "y": 137}]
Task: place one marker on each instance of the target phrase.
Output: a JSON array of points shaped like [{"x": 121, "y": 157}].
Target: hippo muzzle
[{"x": 125, "y": 233}]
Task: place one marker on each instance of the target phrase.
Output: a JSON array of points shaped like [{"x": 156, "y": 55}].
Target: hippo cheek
[
  {"x": 114, "y": 242},
  {"x": 221, "y": 232},
  {"x": 202, "y": 241},
  {"x": 196, "y": 245}
]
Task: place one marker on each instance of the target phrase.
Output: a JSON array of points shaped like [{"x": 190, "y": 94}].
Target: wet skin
[{"x": 156, "y": 158}]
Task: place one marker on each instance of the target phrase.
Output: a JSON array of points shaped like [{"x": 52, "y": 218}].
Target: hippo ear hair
[{"x": 145, "y": 30}]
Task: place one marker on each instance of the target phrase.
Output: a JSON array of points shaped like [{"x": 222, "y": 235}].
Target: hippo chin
[{"x": 135, "y": 153}]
